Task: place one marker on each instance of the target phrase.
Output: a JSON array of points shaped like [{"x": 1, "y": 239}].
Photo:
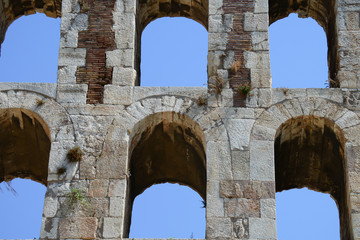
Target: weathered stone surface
[{"x": 81, "y": 227}]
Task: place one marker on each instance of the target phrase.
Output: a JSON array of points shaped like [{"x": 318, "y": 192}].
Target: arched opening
[
  {"x": 163, "y": 202},
  {"x": 309, "y": 209},
  {"x": 148, "y": 11},
  {"x": 30, "y": 50},
  {"x": 323, "y": 11},
  {"x": 166, "y": 148},
  {"x": 21, "y": 209},
  {"x": 24, "y": 153},
  {"x": 12, "y": 10},
  {"x": 309, "y": 152},
  {"x": 298, "y": 53},
  {"x": 174, "y": 53}
]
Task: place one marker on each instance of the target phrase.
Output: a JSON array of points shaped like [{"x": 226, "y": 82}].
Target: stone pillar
[
  {"x": 238, "y": 48},
  {"x": 348, "y": 24},
  {"x": 96, "y": 49}
]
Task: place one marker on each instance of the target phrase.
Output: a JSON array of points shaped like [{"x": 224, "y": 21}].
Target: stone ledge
[{"x": 47, "y": 89}]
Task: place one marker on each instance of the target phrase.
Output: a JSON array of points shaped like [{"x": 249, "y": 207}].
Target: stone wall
[{"x": 236, "y": 143}]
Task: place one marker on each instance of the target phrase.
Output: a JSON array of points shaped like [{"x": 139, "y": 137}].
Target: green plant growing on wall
[
  {"x": 244, "y": 89},
  {"x": 77, "y": 197},
  {"x": 75, "y": 154}
]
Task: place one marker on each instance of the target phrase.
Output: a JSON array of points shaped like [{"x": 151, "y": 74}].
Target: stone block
[
  {"x": 117, "y": 188},
  {"x": 262, "y": 228},
  {"x": 49, "y": 228},
  {"x": 242, "y": 207},
  {"x": 118, "y": 94},
  {"x": 98, "y": 188},
  {"x": 240, "y": 228},
  {"x": 72, "y": 57},
  {"x": 72, "y": 93},
  {"x": 240, "y": 161},
  {"x": 262, "y": 161},
  {"x": 116, "y": 208},
  {"x": 124, "y": 76},
  {"x": 218, "y": 228},
  {"x": 268, "y": 208},
  {"x": 256, "y": 22},
  {"x": 81, "y": 227},
  {"x": 239, "y": 133},
  {"x": 112, "y": 227}
]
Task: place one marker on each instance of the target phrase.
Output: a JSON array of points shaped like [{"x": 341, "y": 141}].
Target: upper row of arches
[{"x": 198, "y": 11}]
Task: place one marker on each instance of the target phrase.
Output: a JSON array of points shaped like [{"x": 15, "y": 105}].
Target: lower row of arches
[{"x": 170, "y": 148}]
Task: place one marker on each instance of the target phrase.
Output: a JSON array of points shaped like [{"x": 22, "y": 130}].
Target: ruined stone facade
[{"x": 236, "y": 149}]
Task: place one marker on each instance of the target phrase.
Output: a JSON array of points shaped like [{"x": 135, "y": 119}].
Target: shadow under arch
[
  {"x": 166, "y": 147},
  {"x": 324, "y": 12},
  {"x": 24, "y": 145},
  {"x": 309, "y": 152}
]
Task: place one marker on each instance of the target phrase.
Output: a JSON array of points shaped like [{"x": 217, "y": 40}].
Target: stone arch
[
  {"x": 166, "y": 147},
  {"x": 59, "y": 125},
  {"x": 148, "y": 11},
  {"x": 12, "y": 10},
  {"x": 309, "y": 142},
  {"x": 323, "y": 11}
]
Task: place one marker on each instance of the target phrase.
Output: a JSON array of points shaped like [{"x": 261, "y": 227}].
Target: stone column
[{"x": 348, "y": 24}]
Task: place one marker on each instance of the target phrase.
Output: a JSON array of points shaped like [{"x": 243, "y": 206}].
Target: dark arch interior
[
  {"x": 12, "y": 10},
  {"x": 169, "y": 150},
  {"x": 309, "y": 152},
  {"x": 323, "y": 11},
  {"x": 148, "y": 11},
  {"x": 24, "y": 146}
]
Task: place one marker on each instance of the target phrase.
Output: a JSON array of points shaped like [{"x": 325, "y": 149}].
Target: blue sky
[{"x": 173, "y": 54}]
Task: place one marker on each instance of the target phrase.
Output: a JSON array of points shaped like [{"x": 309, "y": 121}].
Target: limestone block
[
  {"x": 256, "y": 22},
  {"x": 116, "y": 208},
  {"x": 257, "y": 60},
  {"x": 260, "y": 41},
  {"x": 260, "y": 78},
  {"x": 58, "y": 154},
  {"x": 218, "y": 228},
  {"x": 239, "y": 132},
  {"x": 124, "y": 76},
  {"x": 49, "y": 228},
  {"x": 240, "y": 161},
  {"x": 120, "y": 58},
  {"x": 72, "y": 57},
  {"x": 118, "y": 94},
  {"x": 98, "y": 188},
  {"x": 70, "y": 6},
  {"x": 241, "y": 207},
  {"x": 67, "y": 74},
  {"x": 220, "y": 23},
  {"x": 268, "y": 208},
  {"x": 262, "y": 161},
  {"x": 348, "y": 21},
  {"x": 87, "y": 167},
  {"x": 214, "y": 207},
  {"x": 50, "y": 206},
  {"x": 80, "y": 227},
  {"x": 217, "y": 41},
  {"x": 262, "y": 228},
  {"x": 112, "y": 227},
  {"x": 4, "y": 103},
  {"x": 218, "y": 169},
  {"x": 347, "y": 120},
  {"x": 261, "y": 6},
  {"x": 260, "y": 132},
  {"x": 47, "y": 89},
  {"x": 69, "y": 39},
  {"x": 215, "y": 7},
  {"x": 240, "y": 228},
  {"x": 356, "y": 224},
  {"x": 138, "y": 111}
]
